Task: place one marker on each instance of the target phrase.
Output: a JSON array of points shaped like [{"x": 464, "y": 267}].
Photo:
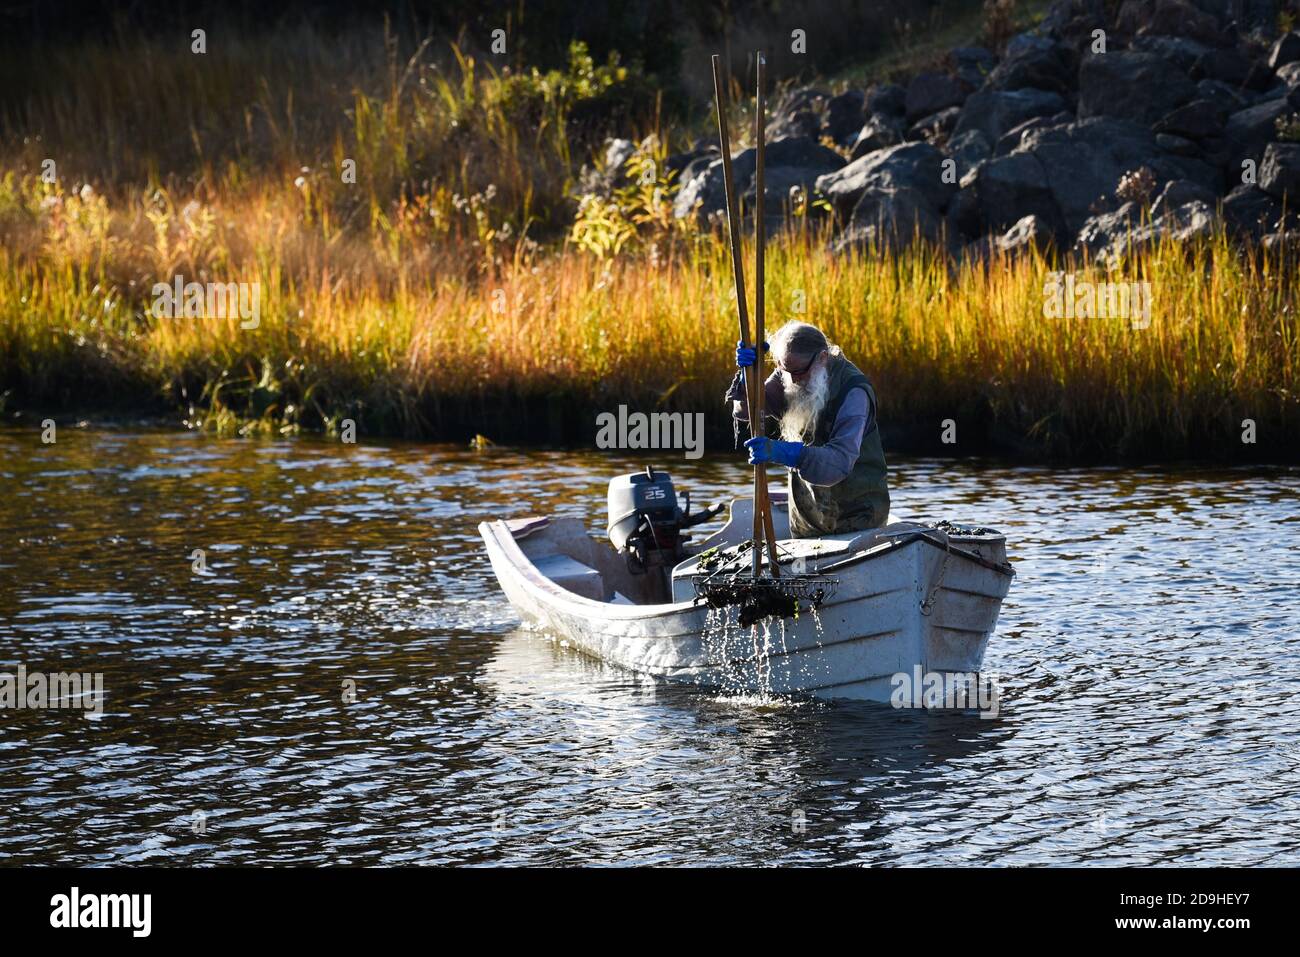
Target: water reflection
[{"x": 1147, "y": 654}]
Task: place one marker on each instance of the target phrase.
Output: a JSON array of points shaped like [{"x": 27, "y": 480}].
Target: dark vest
[{"x": 861, "y": 500}]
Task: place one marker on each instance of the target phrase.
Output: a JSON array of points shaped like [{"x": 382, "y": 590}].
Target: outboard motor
[{"x": 645, "y": 522}]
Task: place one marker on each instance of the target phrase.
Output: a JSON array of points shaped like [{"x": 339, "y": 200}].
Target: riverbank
[
  {"x": 422, "y": 245},
  {"x": 537, "y": 351}
]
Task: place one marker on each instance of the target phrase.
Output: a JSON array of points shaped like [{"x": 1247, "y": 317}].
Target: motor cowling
[{"x": 645, "y": 521}]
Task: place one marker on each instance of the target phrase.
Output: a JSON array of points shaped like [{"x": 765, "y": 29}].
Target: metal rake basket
[{"x": 757, "y": 598}]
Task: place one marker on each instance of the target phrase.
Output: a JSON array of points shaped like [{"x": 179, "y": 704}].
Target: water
[{"x": 1148, "y": 655}]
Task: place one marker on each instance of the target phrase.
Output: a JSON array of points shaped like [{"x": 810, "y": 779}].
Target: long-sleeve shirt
[{"x": 818, "y": 464}]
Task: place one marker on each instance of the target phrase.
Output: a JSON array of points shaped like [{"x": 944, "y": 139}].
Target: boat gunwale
[{"x": 493, "y": 532}]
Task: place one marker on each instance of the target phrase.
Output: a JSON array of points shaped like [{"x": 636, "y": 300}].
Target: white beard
[{"x": 803, "y": 404}]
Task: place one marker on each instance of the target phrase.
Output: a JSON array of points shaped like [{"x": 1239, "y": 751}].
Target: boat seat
[{"x": 573, "y": 576}]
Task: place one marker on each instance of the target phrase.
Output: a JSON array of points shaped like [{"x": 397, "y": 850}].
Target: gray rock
[
  {"x": 1072, "y": 21},
  {"x": 917, "y": 166},
  {"x": 880, "y": 131},
  {"x": 797, "y": 159},
  {"x": 1178, "y": 145},
  {"x": 1197, "y": 120},
  {"x": 887, "y": 98},
  {"x": 972, "y": 65},
  {"x": 1285, "y": 50},
  {"x": 1083, "y": 163},
  {"x": 798, "y": 123},
  {"x": 1030, "y": 232},
  {"x": 931, "y": 92},
  {"x": 1248, "y": 131},
  {"x": 1013, "y": 137},
  {"x": 1289, "y": 75},
  {"x": 1251, "y": 213},
  {"x": 1182, "y": 52},
  {"x": 1100, "y": 232},
  {"x": 609, "y": 175},
  {"x": 1285, "y": 241},
  {"x": 1221, "y": 95},
  {"x": 890, "y": 218},
  {"x": 680, "y": 163},
  {"x": 968, "y": 149},
  {"x": 1233, "y": 68},
  {"x": 964, "y": 216},
  {"x": 1193, "y": 220},
  {"x": 1177, "y": 18},
  {"x": 1134, "y": 86},
  {"x": 1180, "y": 192},
  {"x": 844, "y": 116},
  {"x": 1279, "y": 173},
  {"x": 1034, "y": 61},
  {"x": 994, "y": 112},
  {"x": 936, "y": 126},
  {"x": 1012, "y": 187}
]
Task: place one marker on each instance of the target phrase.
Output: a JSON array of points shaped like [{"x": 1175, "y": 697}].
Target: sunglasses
[{"x": 800, "y": 372}]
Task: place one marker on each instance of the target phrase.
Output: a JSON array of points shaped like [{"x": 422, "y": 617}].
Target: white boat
[{"x": 907, "y": 596}]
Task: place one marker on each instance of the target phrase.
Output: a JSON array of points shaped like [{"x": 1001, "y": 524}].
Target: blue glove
[
  {"x": 763, "y": 449},
  {"x": 746, "y": 355}
]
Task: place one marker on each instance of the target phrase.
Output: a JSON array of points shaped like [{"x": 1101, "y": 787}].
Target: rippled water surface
[{"x": 1149, "y": 656}]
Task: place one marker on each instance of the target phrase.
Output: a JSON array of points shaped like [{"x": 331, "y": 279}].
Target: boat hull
[{"x": 913, "y": 605}]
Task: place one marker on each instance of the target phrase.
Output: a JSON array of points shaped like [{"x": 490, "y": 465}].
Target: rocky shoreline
[{"x": 1091, "y": 134}]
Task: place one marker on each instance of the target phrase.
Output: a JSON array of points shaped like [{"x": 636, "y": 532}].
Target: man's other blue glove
[
  {"x": 746, "y": 355},
  {"x": 763, "y": 449}
]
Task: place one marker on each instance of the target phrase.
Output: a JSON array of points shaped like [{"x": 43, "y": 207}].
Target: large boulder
[
  {"x": 936, "y": 127},
  {"x": 1101, "y": 232},
  {"x": 879, "y": 132},
  {"x": 1251, "y": 213},
  {"x": 1013, "y": 137},
  {"x": 1222, "y": 95},
  {"x": 1009, "y": 188},
  {"x": 1178, "y": 18},
  {"x": 931, "y": 92},
  {"x": 1083, "y": 163},
  {"x": 1248, "y": 131},
  {"x": 972, "y": 65},
  {"x": 917, "y": 166},
  {"x": 968, "y": 149},
  {"x": 798, "y": 160},
  {"x": 1141, "y": 87},
  {"x": 1197, "y": 120},
  {"x": 1285, "y": 50},
  {"x": 1180, "y": 192},
  {"x": 1034, "y": 61},
  {"x": 994, "y": 112},
  {"x": 1029, "y": 232},
  {"x": 1234, "y": 68},
  {"x": 1110, "y": 237},
  {"x": 964, "y": 216},
  {"x": 794, "y": 124},
  {"x": 844, "y": 116},
  {"x": 890, "y": 217},
  {"x": 1183, "y": 53},
  {"x": 1279, "y": 173},
  {"x": 887, "y": 98}
]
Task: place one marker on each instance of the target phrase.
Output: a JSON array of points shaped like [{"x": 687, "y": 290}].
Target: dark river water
[{"x": 344, "y": 684}]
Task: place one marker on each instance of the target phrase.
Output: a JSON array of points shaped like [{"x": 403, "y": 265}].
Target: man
[{"x": 825, "y": 411}]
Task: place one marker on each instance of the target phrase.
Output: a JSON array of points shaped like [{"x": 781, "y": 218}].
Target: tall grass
[{"x": 440, "y": 286}]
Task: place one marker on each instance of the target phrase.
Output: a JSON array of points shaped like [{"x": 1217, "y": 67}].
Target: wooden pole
[
  {"x": 753, "y": 383},
  {"x": 762, "y": 511}
]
